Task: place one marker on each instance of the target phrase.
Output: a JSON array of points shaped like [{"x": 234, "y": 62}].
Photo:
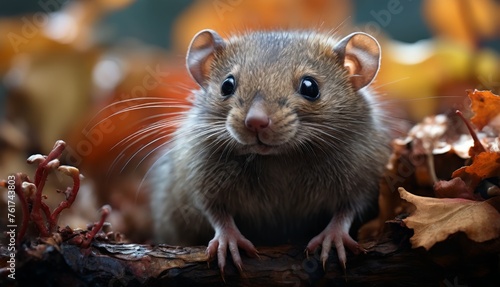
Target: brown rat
[{"x": 284, "y": 143}]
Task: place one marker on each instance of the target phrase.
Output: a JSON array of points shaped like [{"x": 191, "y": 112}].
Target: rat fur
[{"x": 306, "y": 172}]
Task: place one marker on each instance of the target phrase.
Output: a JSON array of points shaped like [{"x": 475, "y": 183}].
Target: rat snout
[
  {"x": 257, "y": 118},
  {"x": 263, "y": 128}
]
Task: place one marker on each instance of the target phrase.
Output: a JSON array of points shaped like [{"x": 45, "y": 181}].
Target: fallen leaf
[
  {"x": 454, "y": 188},
  {"x": 485, "y": 165},
  {"x": 435, "y": 142},
  {"x": 429, "y": 136},
  {"x": 435, "y": 219},
  {"x": 486, "y": 107}
]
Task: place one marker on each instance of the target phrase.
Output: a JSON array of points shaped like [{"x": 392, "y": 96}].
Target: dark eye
[
  {"x": 309, "y": 88},
  {"x": 228, "y": 86}
]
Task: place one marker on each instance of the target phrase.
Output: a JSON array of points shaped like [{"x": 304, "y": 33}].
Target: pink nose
[
  {"x": 257, "y": 118},
  {"x": 256, "y": 124}
]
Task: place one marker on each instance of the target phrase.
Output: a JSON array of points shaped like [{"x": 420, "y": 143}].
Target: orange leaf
[
  {"x": 486, "y": 107},
  {"x": 435, "y": 219},
  {"x": 485, "y": 165}
]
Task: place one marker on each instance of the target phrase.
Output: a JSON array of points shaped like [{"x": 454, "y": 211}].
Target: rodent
[{"x": 284, "y": 142}]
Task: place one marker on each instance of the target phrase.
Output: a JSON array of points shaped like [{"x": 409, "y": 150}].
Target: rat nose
[
  {"x": 257, "y": 119},
  {"x": 256, "y": 124}
]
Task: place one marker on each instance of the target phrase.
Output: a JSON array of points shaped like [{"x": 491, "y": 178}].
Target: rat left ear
[
  {"x": 360, "y": 53},
  {"x": 201, "y": 53}
]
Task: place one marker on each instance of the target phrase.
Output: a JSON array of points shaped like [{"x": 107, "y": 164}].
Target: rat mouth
[
  {"x": 262, "y": 148},
  {"x": 261, "y": 143},
  {"x": 255, "y": 144}
]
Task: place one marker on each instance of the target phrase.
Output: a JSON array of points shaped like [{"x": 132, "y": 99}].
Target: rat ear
[
  {"x": 360, "y": 53},
  {"x": 201, "y": 53}
]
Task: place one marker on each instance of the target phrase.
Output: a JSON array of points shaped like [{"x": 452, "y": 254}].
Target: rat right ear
[
  {"x": 360, "y": 54},
  {"x": 201, "y": 53}
]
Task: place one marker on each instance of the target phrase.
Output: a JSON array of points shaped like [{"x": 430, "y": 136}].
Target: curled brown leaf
[{"x": 435, "y": 219}]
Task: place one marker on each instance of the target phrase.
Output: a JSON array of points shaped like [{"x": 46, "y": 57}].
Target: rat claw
[
  {"x": 211, "y": 250},
  {"x": 245, "y": 244},
  {"x": 221, "y": 255},
  {"x": 235, "y": 254},
  {"x": 325, "y": 249},
  {"x": 254, "y": 254},
  {"x": 315, "y": 242},
  {"x": 362, "y": 249},
  {"x": 339, "y": 237},
  {"x": 344, "y": 269},
  {"x": 222, "y": 275},
  {"x": 324, "y": 257},
  {"x": 339, "y": 245},
  {"x": 230, "y": 239}
]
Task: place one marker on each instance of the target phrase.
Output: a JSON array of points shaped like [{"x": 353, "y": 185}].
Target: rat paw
[
  {"x": 340, "y": 238},
  {"x": 229, "y": 238}
]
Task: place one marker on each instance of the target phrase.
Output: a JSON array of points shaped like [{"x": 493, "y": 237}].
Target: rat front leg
[
  {"x": 336, "y": 232},
  {"x": 227, "y": 235}
]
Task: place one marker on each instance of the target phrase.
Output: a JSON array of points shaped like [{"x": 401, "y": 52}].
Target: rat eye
[
  {"x": 228, "y": 86},
  {"x": 309, "y": 88}
]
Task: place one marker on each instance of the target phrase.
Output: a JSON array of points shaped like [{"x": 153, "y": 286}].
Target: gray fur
[{"x": 291, "y": 194}]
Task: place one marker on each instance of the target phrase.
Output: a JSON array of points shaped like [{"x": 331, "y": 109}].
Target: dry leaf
[
  {"x": 436, "y": 137},
  {"x": 428, "y": 136},
  {"x": 486, "y": 107},
  {"x": 435, "y": 219},
  {"x": 485, "y": 165},
  {"x": 454, "y": 188}
]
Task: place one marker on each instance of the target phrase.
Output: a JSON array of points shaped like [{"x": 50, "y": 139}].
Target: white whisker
[
  {"x": 135, "y": 108},
  {"x": 148, "y": 99}
]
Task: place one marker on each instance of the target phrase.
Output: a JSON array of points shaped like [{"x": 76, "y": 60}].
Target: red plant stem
[
  {"x": 24, "y": 207},
  {"x": 71, "y": 196},
  {"x": 41, "y": 174},
  {"x": 45, "y": 209},
  {"x": 56, "y": 152},
  {"x": 478, "y": 146},
  {"x": 105, "y": 211},
  {"x": 36, "y": 214}
]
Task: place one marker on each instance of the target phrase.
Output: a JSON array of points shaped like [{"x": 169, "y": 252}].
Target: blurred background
[{"x": 98, "y": 73}]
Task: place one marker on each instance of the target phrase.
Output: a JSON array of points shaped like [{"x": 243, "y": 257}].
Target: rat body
[{"x": 283, "y": 143}]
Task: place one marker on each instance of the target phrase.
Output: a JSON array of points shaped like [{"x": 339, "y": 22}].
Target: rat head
[{"x": 277, "y": 92}]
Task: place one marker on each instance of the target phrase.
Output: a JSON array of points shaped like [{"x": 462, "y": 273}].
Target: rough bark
[{"x": 389, "y": 262}]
